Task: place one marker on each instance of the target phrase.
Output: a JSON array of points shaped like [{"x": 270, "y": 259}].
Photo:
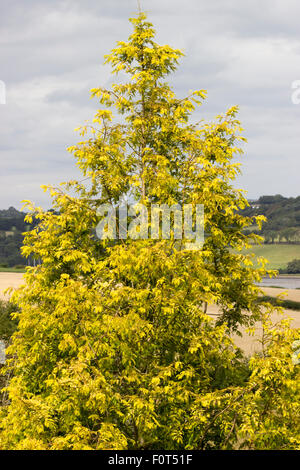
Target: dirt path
[
  {"x": 292, "y": 294},
  {"x": 251, "y": 343},
  {"x": 9, "y": 280}
]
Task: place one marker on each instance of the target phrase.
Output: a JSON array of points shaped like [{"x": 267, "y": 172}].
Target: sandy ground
[
  {"x": 290, "y": 294},
  {"x": 249, "y": 344},
  {"x": 9, "y": 280}
]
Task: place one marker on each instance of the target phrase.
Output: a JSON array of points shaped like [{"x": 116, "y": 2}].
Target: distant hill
[
  {"x": 283, "y": 214},
  {"x": 283, "y": 226},
  {"x": 12, "y": 219},
  {"x": 12, "y": 225}
]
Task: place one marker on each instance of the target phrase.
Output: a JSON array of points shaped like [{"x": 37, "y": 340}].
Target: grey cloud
[{"x": 51, "y": 54}]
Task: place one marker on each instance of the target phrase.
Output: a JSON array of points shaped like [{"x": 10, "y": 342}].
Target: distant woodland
[
  {"x": 282, "y": 226},
  {"x": 283, "y": 218},
  {"x": 12, "y": 227}
]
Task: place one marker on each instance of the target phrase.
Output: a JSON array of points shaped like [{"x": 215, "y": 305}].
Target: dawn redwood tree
[{"x": 113, "y": 348}]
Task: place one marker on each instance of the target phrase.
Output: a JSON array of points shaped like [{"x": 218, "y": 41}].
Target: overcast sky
[{"x": 51, "y": 54}]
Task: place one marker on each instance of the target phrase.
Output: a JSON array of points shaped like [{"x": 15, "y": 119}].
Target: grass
[
  {"x": 285, "y": 303},
  {"x": 277, "y": 254},
  {"x": 12, "y": 270}
]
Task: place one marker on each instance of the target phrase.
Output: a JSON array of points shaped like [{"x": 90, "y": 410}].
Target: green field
[
  {"x": 278, "y": 255},
  {"x": 12, "y": 270}
]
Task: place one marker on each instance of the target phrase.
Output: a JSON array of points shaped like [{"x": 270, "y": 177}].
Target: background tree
[
  {"x": 293, "y": 267},
  {"x": 113, "y": 349}
]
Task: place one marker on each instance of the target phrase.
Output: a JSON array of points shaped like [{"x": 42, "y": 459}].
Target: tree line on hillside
[
  {"x": 12, "y": 228},
  {"x": 282, "y": 226},
  {"x": 283, "y": 218}
]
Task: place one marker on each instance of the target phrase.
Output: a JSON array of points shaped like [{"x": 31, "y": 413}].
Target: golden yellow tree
[{"x": 113, "y": 348}]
